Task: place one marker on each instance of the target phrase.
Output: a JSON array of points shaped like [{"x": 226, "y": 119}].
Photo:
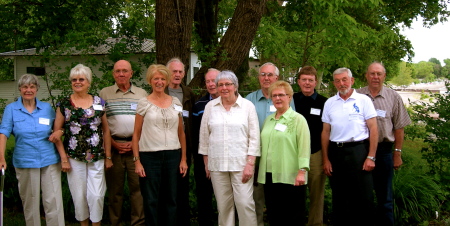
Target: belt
[
  {"x": 122, "y": 138},
  {"x": 347, "y": 144}
]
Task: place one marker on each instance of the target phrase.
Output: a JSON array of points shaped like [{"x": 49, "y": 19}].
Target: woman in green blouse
[{"x": 284, "y": 163}]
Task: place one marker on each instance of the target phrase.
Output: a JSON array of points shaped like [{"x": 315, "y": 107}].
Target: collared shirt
[
  {"x": 197, "y": 115},
  {"x": 160, "y": 126},
  {"x": 31, "y": 132},
  {"x": 391, "y": 113},
  {"x": 311, "y": 107},
  {"x": 121, "y": 108},
  {"x": 227, "y": 137},
  {"x": 285, "y": 144},
  {"x": 348, "y": 117},
  {"x": 264, "y": 107}
]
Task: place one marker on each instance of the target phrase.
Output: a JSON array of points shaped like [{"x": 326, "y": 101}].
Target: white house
[{"x": 27, "y": 61}]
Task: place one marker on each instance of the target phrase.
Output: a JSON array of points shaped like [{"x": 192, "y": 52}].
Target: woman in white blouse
[
  {"x": 159, "y": 149},
  {"x": 229, "y": 142}
]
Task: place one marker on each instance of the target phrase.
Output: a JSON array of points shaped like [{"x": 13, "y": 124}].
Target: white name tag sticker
[
  {"x": 381, "y": 113},
  {"x": 185, "y": 114},
  {"x": 178, "y": 108},
  {"x": 353, "y": 117},
  {"x": 97, "y": 107},
  {"x": 133, "y": 106},
  {"x": 272, "y": 108},
  {"x": 44, "y": 121},
  {"x": 280, "y": 127},
  {"x": 315, "y": 111}
]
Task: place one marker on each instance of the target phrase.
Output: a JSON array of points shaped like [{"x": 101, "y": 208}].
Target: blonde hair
[
  {"x": 158, "y": 68},
  {"x": 281, "y": 84}
]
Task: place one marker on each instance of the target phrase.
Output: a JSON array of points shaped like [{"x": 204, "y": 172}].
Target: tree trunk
[
  {"x": 173, "y": 26},
  {"x": 235, "y": 45}
]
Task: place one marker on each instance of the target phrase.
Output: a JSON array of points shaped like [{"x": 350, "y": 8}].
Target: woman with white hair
[
  {"x": 87, "y": 143},
  {"x": 36, "y": 161},
  {"x": 229, "y": 142}
]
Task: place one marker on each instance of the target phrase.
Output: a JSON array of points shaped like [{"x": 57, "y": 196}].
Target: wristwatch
[
  {"x": 399, "y": 150},
  {"x": 110, "y": 158},
  {"x": 135, "y": 158},
  {"x": 371, "y": 158}
]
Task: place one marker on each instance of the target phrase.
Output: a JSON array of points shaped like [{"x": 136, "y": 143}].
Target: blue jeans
[
  {"x": 382, "y": 182},
  {"x": 159, "y": 187}
]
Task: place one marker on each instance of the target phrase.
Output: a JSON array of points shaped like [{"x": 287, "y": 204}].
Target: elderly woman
[
  {"x": 285, "y": 143},
  {"x": 159, "y": 148},
  {"x": 229, "y": 141},
  {"x": 87, "y": 142},
  {"x": 35, "y": 158}
]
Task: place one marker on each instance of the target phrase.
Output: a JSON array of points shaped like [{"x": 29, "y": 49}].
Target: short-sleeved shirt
[
  {"x": 31, "y": 131},
  {"x": 160, "y": 126},
  {"x": 121, "y": 108},
  {"x": 264, "y": 107},
  {"x": 391, "y": 113},
  {"x": 348, "y": 117},
  {"x": 227, "y": 137},
  {"x": 83, "y": 134},
  {"x": 285, "y": 145}
]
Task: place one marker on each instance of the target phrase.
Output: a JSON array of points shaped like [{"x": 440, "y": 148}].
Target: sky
[{"x": 429, "y": 42}]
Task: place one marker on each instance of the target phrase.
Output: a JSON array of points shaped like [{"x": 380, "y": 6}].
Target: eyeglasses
[
  {"x": 124, "y": 71},
  {"x": 281, "y": 95},
  {"x": 225, "y": 84},
  {"x": 264, "y": 74},
  {"x": 78, "y": 79},
  {"x": 375, "y": 74}
]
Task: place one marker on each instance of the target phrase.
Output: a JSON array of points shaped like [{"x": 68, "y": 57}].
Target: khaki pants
[
  {"x": 230, "y": 191},
  {"x": 316, "y": 186},
  {"x": 31, "y": 181}
]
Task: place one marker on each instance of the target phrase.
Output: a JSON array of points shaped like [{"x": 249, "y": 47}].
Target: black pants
[
  {"x": 285, "y": 203},
  {"x": 184, "y": 211},
  {"x": 204, "y": 192},
  {"x": 352, "y": 187}
]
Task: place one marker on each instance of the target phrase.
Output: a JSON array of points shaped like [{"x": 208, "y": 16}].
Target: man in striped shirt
[
  {"x": 392, "y": 117},
  {"x": 121, "y": 102}
]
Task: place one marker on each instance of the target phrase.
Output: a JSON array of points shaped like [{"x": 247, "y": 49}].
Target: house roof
[{"x": 146, "y": 46}]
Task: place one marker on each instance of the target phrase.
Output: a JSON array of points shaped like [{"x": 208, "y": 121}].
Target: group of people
[{"x": 261, "y": 151}]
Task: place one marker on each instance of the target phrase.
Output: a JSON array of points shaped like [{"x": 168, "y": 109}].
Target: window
[{"x": 38, "y": 71}]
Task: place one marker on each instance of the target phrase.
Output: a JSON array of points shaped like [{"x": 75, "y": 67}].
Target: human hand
[
  {"x": 65, "y": 166},
  {"x": 327, "y": 169},
  {"x": 108, "y": 163},
  {"x": 183, "y": 168},
  {"x": 369, "y": 165},
  {"x": 139, "y": 169},
  {"x": 300, "y": 179},
  {"x": 56, "y": 136},
  {"x": 248, "y": 172},
  {"x": 397, "y": 157}
]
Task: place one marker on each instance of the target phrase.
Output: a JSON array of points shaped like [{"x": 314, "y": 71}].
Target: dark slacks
[
  {"x": 184, "y": 214},
  {"x": 123, "y": 167},
  {"x": 285, "y": 203},
  {"x": 204, "y": 192},
  {"x": 382, "y": 182},
  {"x": 352, "y": 187},
  {"x": 159, "y": 187}
]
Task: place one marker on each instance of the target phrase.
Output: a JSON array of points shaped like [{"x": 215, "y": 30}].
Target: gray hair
[
  {"x": 343, "y": 70},
  {"x": 81, "y": 70},
  {"x": 376, "y": 62},
  {"x": 28, "y": 79},
  {"x": 230, "y": 76},
  {"x": 277, "y": 72},
  {"x": 175, "y": 59}
]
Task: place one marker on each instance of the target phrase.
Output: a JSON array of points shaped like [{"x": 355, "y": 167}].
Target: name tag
[
  {"x": 315, "y": 111},
  {"x": 280, "y": 127},
  {"x": 185, "y": 114},
  {"x": 133, "y": 106},
  {"x": 178, "y": 108},
  {"x": 272, "y": 108},
  {"x": 44, "y": 121},
  {"x": 97, "y": 107},
  {"x": 353, "y": 117},
  {"x": 381, "y": 113}
]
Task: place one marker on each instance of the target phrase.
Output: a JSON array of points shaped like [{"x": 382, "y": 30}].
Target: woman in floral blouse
[{"x": 87, "y": 142}]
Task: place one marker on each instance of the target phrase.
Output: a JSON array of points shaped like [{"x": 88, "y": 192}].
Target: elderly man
[
  {"x": 204, "y": 190},
  {"x": 349, "y": 119},
  {"x": 310, "y": 104},
  {"x": 392, "y": 117},
  {"x": 121, "y": 99},
  {"x": 268, "y": 74},
  {"x": 187, "y": 99}
]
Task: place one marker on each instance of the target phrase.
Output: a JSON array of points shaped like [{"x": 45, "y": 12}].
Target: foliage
[
  {"x": 6, "y": 69},
  {"x": 404, "y": 75},
  {"x": 435, "y": 118},
  {"x": 423, "y": 69}
]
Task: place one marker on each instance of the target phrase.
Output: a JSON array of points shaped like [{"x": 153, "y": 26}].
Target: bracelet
[
  {"x": 62, "y": 131},
  {"x": 398, "y": 150},
  {"x": 251, "y": 161},
  {"x": 64, "y": 161}
]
